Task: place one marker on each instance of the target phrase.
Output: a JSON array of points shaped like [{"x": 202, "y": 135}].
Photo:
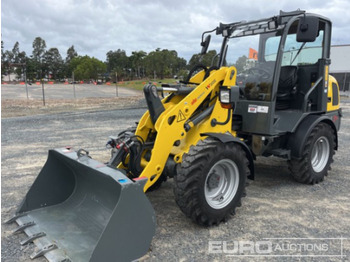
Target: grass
[{"x": 139, "y": 84}]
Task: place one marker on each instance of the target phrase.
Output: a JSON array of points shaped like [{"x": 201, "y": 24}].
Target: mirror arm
[{"x": 206, "y": 32}]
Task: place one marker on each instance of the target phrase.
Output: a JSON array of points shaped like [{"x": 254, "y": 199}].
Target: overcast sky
[{"x": 96, "y": 26}]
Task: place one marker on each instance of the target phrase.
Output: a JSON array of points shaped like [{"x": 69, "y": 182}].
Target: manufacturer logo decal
[{"x": 211, "y": 84}]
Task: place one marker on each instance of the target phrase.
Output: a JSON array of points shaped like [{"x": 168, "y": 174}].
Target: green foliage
[
  {"x": 2, "y": 58},
  {"x": 6, "y": 59},
  {"x": 85, "y": 67},
  {"x": 31, "y": 72},
  {"x": 53, "y": 63},
  {"x": 11, "y": 60},
  {"x": 118, "y": 64},
  {"x": 39, "y": 47},
  {"x": 15, "y": 53},
  {"x": 240, "y": 63},
  {"x": 71, "y": 53},
  {"x": 161, "y": 63},
  {"x": 158, "y": 63},
  {"x": 182, "y": 74},
  {"x": 44, "y": 63},
  {"x": 137, "y": 62},
  {"x": 205, "y": 60}
]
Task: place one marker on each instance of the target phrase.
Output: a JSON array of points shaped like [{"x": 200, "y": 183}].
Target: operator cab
[{"x": 282, "y": 69}]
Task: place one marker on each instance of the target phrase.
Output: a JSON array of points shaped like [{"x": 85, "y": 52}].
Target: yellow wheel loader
[{"x": 205, "y": 133}]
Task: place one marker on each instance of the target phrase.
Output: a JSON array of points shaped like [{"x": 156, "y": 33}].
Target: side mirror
[
  {"x": 307, "y": 29},
  {"x": 205, "y": 45}
]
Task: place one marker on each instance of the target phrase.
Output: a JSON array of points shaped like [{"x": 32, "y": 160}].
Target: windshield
[
  {"x": 295, "y": 53},
  {"x": 254, "y": 71}
]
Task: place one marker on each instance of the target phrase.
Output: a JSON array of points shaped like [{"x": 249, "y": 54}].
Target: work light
[{"x": 225, "y": 96}]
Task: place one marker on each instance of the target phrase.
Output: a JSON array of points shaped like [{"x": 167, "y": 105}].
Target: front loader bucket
[{"x": 81, "y": 210}]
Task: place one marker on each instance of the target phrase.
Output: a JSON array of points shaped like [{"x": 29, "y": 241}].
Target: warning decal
[
  {"x": 180, "y": 116},
  {"x": 252, "y": 109}
]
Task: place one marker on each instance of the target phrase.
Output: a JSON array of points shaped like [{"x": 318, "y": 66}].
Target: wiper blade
[{"x": 302, "y": 46}]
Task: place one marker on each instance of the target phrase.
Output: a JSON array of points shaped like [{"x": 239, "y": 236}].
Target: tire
[
  {"x": 210, "y": 181},
  {"x": 317, "y": 156}
]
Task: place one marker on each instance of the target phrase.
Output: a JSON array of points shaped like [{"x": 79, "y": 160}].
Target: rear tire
[
  {"x": 210, "y": 181},
  {"x": 317, "y": 156}
]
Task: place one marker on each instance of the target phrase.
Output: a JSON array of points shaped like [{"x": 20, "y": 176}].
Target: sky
[{"x": 95, "y": 27}]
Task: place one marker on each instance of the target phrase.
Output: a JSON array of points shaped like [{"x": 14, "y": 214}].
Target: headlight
[{"x": 225, "y": 96}]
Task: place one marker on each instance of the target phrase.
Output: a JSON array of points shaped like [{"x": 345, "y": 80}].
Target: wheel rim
[
  {"x": 221, "y": 183},
  {"x": 320, "y": 154}
]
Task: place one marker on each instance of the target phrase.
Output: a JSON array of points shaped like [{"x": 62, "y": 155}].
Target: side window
[
  {"x": 271, "y": 48},
  {"x": 335, "y": 94},
  {"x": 296, "y": 53}
]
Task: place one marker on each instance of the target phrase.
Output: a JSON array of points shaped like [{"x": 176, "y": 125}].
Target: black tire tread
[
  {"x": 189, "y": 171},
  {"x": 300, "y": 168}
]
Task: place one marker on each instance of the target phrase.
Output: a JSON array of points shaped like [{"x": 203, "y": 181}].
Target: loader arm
[{"x": 171, "y": 135}]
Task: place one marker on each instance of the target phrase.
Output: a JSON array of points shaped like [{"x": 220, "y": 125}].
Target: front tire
[
  {"x": 317, "y": 156},
  {"x": 210, "y": 181}
]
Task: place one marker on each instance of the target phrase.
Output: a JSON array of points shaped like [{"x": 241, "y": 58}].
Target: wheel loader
[{"x": 205, "y": 133}]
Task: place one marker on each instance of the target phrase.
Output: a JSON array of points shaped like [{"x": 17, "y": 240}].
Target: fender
[
  {"x": 226, "y": 138},
  {"x": 297, "y": 140}
]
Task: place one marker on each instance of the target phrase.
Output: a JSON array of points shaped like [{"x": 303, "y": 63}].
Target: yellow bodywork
[
  {"x": 330, "y": 107},
  {"x": 170, "y": 124},
  {"x": 171, "y": 138}
]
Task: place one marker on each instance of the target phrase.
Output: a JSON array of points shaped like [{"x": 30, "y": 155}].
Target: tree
[
  {"x": 15, "y": 53},
  {"x": 205, "y": 60},
  {"x": 179, "y": 66},
  {"x": 19, "y": 58},
  {"x": 154, "y": 63},
  {"x": 136, "y": 60},
  {"x": 241, "y": 63},
  {"x": 6, "y": 63},
  {"x": 71, "y": 53},
  {"x": 87, "y": 68},
  {"x": 10, "y": 61},
  {"x": 2, "y": 58},
  {"x": 43, "y": 62},
  {"x": 53, "y": 63},
  {"x": 2, "y": 49},
  {"x": 31, "y": 68},
  {"x": 163, "y": 63},
  {"x": 6, "y": 59},
  {"x": 39, "y": 48},
  {"x": 118, "y": 63}
]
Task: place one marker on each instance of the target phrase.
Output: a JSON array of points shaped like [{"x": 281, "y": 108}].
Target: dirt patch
[{"x": 22, "y": 107}]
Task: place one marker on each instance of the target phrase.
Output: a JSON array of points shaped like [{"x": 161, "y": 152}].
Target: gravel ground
[
  {"x": 275, "y": 207},
  {"x": 61, "y": 91}
]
